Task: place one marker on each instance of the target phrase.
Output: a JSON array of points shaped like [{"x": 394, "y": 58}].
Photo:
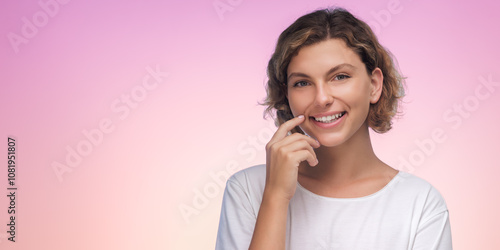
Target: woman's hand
[{"x": 283, "y": 156}]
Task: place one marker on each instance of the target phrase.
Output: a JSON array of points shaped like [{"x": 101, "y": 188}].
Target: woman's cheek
[{"x": 298, "y": 103}]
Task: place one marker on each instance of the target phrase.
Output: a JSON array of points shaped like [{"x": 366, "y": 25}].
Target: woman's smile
[{"x": 328, "y": 120}]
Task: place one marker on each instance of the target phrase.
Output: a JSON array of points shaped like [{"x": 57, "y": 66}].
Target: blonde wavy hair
[{"x": 322, "y": 25}]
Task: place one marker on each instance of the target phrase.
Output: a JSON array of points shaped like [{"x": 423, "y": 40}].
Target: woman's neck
[{"x": 352, "y": 160}]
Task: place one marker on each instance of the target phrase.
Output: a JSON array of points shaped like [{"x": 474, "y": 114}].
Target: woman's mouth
[
  {"x": 329, "y": 118},
  {"x": 328, "y": 121}
]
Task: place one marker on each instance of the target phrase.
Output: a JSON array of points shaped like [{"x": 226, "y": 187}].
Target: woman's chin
[
  {"x": 329, "y": 145},
  {"x": 330, "y": 141}
]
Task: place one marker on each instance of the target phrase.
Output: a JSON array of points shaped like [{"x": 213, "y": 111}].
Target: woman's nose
[{"x": 323, "y": 96}]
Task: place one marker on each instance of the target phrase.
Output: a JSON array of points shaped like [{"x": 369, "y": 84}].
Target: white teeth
[{"x": 329, "y": 118}]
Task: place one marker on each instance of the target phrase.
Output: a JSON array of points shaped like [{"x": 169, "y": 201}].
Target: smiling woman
[{"x": 322, "y": 186}]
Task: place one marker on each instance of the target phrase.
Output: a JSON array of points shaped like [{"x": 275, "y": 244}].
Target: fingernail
[{"x": 300, "y": 116}]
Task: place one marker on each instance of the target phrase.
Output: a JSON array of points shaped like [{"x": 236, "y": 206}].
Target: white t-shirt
[{"x": 408, "y": 213}]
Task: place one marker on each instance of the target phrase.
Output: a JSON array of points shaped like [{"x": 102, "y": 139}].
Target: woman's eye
[
  {"x": 300, "y": 84},
  {"x": 341, "y": 77}
]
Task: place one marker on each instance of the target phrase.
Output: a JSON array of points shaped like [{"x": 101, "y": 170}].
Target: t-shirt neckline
[{"x": 377, "y": 193}]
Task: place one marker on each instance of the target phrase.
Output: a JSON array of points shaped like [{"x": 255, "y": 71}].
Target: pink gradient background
[{"x": 127, "y": 192}]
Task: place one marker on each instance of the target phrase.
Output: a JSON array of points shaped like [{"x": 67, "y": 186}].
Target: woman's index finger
[{"x": 286, "y": 127}]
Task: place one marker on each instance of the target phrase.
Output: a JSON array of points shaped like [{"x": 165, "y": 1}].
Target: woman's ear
[{"x": 377, "y": 82}]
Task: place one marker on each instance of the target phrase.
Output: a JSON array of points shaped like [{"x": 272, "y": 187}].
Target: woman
[{"x": 322, "y": 186}]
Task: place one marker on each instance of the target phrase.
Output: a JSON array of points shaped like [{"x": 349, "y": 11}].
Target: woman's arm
[
  {"x": 270, "y": 228},
  {"x": 283, "y": 156}
]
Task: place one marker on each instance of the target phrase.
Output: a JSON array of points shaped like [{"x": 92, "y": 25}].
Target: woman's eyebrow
[{"x": 343, "y": 65}]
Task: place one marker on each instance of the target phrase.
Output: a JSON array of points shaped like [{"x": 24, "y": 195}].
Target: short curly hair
[{"x": 322, "y": 25}]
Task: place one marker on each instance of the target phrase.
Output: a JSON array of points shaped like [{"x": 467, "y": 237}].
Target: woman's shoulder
[
  {"x": 253, "y": 177},
  {"x": 256, "y": 172},
  {"x": 412, "y": 181},
  {"x": 411, "y": 185}
]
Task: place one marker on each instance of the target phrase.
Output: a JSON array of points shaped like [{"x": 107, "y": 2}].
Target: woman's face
[{"x": 329, "y": 85}]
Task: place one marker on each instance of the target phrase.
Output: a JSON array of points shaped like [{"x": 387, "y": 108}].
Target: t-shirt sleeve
[
  {"x": 434, "y": 232},
  {"x": 237, "y": 218}
]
